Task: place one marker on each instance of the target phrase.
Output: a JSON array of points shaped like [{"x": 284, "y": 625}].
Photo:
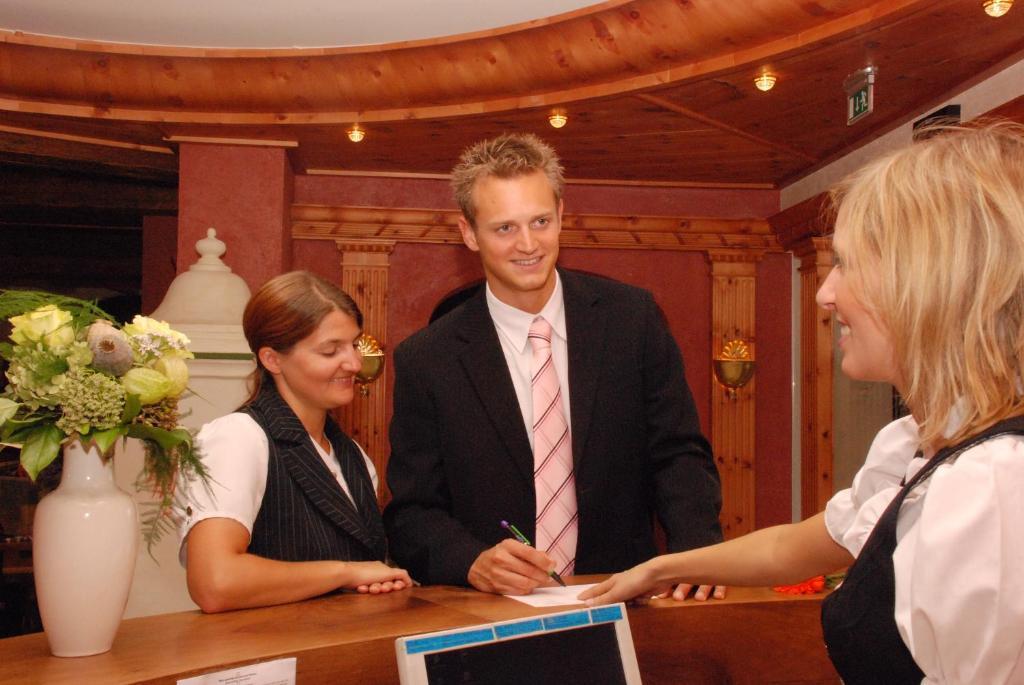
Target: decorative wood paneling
[
  {"x": 364, "y": 276},
  {"x": 88, "y": 140},
  {"x": 318, "y": 222},
  {"x": 734, "y": 284},
  {"x": 722, "y": 126},
  {"x": 1014, "y": 109},
  {"x": 810, "y": 218},
  {"x": 815, "y": 256},
  {"x": 655, "y": 90},
  {"x": 595, "y": 52},
  {"x": 801, "y": 229}
]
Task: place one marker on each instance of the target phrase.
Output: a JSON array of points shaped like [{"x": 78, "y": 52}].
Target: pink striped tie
[{"x": 557, "y": 524}]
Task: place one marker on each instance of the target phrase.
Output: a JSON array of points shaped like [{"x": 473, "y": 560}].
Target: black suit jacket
[{"x": 461, "y": 459}]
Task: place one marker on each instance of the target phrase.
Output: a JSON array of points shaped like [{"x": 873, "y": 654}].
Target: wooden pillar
[
  {"x": 364, "y": 276},
  {"x": 734, "y": 281},
  {"x": 815, "y": 256}
]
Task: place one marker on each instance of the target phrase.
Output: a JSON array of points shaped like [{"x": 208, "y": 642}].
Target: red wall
[
  {"x": 159, "y": 258},
  {"x": 773, "y": 409},
  {"x": 246, "y": 194}
]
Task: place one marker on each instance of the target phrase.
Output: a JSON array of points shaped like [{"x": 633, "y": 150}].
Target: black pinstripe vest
[{"x": 305, "y": 515}]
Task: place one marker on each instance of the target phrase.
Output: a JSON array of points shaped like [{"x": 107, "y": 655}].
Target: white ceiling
[{"x": 269, "y": 23}]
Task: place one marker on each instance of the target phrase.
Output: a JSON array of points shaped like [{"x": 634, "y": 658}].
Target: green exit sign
[
  {"x": 860, "y": 94},
  {"x": 858, "y": 104}
]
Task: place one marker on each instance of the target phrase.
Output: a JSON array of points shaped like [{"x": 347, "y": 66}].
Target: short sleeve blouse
[
  {"x": 236, "y": 452},
  {"x": 959, "y": 559}
]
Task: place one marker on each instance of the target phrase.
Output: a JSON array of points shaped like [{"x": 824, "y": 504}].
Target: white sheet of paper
[
  {"x": 552, "y": 596},
  {"x": 277, "y": 672}
]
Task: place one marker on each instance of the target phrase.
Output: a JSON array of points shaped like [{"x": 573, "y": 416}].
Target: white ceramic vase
[{"x": 84, "y": 542}]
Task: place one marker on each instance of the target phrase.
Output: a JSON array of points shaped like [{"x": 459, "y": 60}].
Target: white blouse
[
  {"x": 236, "y": 452},
  {"x": 959, "y": 559}
]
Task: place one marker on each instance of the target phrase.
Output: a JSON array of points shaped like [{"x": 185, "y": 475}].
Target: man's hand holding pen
[
  {"x": 518, "y": 535},
  {"x": 511, "y": 568}
]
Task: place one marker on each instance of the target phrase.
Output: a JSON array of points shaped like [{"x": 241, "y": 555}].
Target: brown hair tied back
[{"x": 285, "y": 310}]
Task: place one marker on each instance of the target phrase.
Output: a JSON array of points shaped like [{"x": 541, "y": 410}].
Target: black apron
[{"x": 858, "y": 619}]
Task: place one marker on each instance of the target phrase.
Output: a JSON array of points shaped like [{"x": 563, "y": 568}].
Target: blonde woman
[{"x": 928, "y": 291}]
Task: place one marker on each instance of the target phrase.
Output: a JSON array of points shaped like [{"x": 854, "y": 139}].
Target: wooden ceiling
[{"x": 656, "y": 91}]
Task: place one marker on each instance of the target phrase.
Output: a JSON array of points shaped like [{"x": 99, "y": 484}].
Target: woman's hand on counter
[{"x": 374, "y": 577}]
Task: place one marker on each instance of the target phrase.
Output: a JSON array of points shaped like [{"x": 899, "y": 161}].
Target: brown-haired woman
[{"x": 291, "y": 509}]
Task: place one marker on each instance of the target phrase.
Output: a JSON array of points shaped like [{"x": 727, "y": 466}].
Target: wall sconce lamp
[
  {"x": 356, "y": 133},
  {"x": 734, "y": 366},
  {"x": 373, "y": 362},
  {"x": 997, "y": 8},
  {"x": 558, "y": 118},
  {"x": 765, "y": 81}
]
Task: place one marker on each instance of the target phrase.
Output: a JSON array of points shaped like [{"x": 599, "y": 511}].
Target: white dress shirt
[
  {"x": 513, "y": 326},
  {"x": 236, "y": 452},
  {"x": 959, "y": 558}
]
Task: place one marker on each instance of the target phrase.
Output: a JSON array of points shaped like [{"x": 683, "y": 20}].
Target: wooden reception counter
[{"x": 754, "y": 636}]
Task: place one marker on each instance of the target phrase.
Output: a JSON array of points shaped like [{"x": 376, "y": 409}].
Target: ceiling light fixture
[
  {"x": 356, "y": 134},
  {"x": 765, "y": 81},
  {"x": 558, "y": 118},
  {"x": 997, "y": 8}
]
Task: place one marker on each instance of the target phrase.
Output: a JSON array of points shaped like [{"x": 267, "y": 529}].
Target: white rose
[{"x": 47, "y": 324}]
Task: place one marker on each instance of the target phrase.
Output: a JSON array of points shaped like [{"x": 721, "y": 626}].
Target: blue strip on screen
[
  {"x": 434, "y": 643},
  {"x": 577, "y": 618},
  {"x": 518, "y": 628},
  {"x": 606, "y": 614},
  {"x": 430, "y": 644}
]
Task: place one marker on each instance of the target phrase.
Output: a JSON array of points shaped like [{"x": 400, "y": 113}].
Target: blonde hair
[
  {"x": 507, "y": 156},
  {"x": 932, "y": 240}
]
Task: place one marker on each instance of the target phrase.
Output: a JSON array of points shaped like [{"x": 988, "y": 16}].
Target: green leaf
[
  {"x": 15, "y": 431},
  {"x": 31, "y": 420},
  {"x": 167, "y": 440},
  {"x": 40, "y": 449},
  {"x": 7, "y": 409},
  {"x": 7, "y": 351},
  {"x": 48, "y": 367},
  {"x": 84, "y": 312},
  {"x": 13, "y": 435},
  {"x": 13, "y": 428},
  {"x": 132, "y": 407},
  {"x": 105, "y": 439}
]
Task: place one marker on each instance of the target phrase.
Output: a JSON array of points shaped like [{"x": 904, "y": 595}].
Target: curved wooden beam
[{"x": 612, "y": 48}]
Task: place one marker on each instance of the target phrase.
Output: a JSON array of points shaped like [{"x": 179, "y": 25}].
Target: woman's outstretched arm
[{"x": 771, "y": 556}]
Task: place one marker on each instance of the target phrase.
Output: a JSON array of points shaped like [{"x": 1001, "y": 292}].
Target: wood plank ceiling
[
  {"x": 662, "y": 89},
  {"x": 657, "y": 91}
]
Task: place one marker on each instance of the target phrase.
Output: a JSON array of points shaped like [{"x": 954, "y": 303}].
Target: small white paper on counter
[
  {"x": 552, "y": 596},
  {"x": 277, "y": 672}
]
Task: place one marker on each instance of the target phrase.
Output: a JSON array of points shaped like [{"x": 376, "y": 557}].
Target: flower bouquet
[{"x": 74, "y": 375}]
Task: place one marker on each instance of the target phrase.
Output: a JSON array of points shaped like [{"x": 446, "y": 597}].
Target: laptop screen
[{"x": 582, "y": 646}]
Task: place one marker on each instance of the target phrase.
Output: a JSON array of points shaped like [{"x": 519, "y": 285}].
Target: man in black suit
[{"x": 463, "y": 431}]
